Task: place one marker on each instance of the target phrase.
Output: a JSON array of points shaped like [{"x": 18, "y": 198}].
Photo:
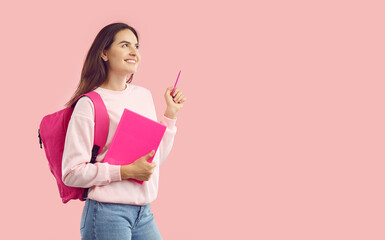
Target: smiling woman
[
  {"x": 116, "y": 207},
  {"x": 112, "y": 44}
]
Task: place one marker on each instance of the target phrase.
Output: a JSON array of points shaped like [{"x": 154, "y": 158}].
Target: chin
[{"x": 129, "y": 71}]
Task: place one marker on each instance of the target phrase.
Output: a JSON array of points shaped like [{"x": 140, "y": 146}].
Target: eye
[{"x": 125, "y": 45}]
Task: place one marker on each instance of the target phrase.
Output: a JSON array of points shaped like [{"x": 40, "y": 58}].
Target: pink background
[{"x": 282, "y": 136}]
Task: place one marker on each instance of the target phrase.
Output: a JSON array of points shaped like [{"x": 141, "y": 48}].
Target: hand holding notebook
[
  {"x": 140, "y": 170},
  {"x": 135, "y": 137}
]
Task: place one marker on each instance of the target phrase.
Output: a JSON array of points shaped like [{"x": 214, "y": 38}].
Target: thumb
[
  {"x": 153, "y": 164},
  {"x": 169, "y": 90},
  {"x": 149, "y": 155}
]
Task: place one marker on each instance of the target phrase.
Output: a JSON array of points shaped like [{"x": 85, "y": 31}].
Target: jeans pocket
[{"x": 84, "y": 214}]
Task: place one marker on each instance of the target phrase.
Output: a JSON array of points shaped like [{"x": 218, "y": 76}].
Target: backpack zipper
[{"x": 41, "y": 143}]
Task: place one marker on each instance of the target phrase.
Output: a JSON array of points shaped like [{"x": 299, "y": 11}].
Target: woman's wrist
[
  {"x": 126, "y": 172},
  {"x": 170, "y": 114}
]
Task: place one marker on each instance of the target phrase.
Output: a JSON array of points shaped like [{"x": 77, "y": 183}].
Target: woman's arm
[
  {"x": 77, "y": 171},
  {"x": 167, "y": 142},
  {"x": 174, "y": 104}
]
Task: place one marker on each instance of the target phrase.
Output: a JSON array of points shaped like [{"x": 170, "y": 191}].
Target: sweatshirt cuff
[
  {"x": 170, "y": 123},
  {"x": 115, "y": 173}
]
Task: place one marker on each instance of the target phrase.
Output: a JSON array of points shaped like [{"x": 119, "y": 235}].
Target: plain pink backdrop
[{"x": 282, "y": 136}]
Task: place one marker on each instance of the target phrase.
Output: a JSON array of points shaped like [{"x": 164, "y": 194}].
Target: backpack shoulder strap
[
  {"x": 102, "y": 121},
  {"x": 101, "y": 127}
]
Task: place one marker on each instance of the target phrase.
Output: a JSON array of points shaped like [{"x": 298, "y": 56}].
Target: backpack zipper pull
[{"x": 41, "y": 143}]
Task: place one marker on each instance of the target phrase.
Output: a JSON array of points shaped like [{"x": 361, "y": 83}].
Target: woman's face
[{"x": 122, "y": 52}]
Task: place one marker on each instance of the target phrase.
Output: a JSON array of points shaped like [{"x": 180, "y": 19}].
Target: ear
[{"x": 104, "y": 55}]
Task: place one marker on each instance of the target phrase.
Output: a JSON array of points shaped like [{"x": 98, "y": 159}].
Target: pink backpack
[{"x": 52, "y": 134}]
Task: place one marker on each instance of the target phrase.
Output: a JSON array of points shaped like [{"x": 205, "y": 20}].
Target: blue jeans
[{"x": 112, "y": 221}]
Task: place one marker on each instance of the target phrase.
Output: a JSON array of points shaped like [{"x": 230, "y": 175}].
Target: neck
[{"x": 115, "y": 82}]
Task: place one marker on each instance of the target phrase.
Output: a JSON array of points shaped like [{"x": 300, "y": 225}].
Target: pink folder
[{"x": 135, "y": 137}]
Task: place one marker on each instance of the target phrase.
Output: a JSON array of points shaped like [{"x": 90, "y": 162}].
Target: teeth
[{"x": 133, "y": 61}]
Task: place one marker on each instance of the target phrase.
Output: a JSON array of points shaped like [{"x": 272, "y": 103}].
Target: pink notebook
[{"x": 135, "y": 137}]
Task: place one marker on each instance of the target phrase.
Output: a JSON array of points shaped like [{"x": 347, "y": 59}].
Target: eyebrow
[{"x": 127, "y": 42}]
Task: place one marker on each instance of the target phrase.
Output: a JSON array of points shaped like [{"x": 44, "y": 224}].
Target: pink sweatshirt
[{"x": 104, "y": 179}]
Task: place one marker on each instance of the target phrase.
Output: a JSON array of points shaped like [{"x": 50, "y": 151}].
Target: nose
[
  {"x": 133, "y": 53},
  {"x": 133, "y": 50}
]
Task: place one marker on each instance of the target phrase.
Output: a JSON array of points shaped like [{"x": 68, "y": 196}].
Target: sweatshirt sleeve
[
  {"x": 167, "y": 141},
  {"x": 77, "y": 171},
  {"x": 168, "y": 138}
]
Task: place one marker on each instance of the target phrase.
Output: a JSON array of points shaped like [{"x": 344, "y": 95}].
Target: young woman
[{"x": 116, "y": 207}]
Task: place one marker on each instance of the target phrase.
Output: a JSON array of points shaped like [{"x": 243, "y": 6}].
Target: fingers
[
  {"x": 183, "y": 99},
  {"x": 169, "y": 90},
  {"x": 168, "y": 95},
  {"x": 180, "y": 99},
  {"x": 175, "y": 92},
  {"x": 149, "y": 155},
  {"x": 178, "y": 96}
]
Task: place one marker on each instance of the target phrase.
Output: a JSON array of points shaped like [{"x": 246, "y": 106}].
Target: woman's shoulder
[{"x": 84, "y": 107}]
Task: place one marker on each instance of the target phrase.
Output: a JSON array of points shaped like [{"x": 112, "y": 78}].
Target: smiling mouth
[{"x": 130, "y": 61}]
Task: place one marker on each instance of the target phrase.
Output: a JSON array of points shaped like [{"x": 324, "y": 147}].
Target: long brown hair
[{"x": 95, "y": 70}]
